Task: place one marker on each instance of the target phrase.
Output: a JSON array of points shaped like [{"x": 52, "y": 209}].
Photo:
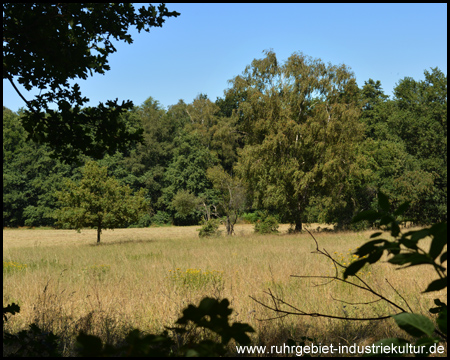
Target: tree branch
[
  {"x": 17, "y": 90},
  {"x": 298, "y": 312},
  {"x": 302, "y": 313}
]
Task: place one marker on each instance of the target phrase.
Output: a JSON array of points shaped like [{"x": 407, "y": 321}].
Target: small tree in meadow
[{"x": 99, "y": 201}]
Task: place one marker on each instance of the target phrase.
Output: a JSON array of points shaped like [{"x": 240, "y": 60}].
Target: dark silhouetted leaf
[
  {"x": 414, "y": 324},
  {"x": 402, "y": 208},
  {"x": 386, "y": 219},
  {"x": 437, "y": 285},
  {"x": 375, "y": 256},
  {"x": 383, "y": 202},
  {"x": 439, "y": 233},
  {"x": 354, "y": 267},
  {"x": 410, "y": 258},
  {"x": 369, "y": 215},
  {"x": 89, "y": 345},
  {"x": 369, "y": 247}
]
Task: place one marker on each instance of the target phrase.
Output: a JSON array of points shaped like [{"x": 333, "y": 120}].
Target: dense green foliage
[
  {"x": 30, "y": 177},
  {"x": 302, "y": 121},
  {"x": 267, "y": 225},
  {"x": 298, "y": 139},
  {"x": 99, "y": 201},
  {"x": 406, "y": 143}
]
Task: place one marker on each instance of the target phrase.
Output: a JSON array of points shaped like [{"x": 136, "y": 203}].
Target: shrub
[
  {"x": 161, "y": 218},
  {"x": 196, "y": 278},
  {"x": 250, "y": 218},
  {"x": 406, "y": 251},
  {"x": 210, "y": 228},
  {"x": 268, "y": 225},
  {"x": 30, "y": 342},
  {"x": 144, "y": 221}
]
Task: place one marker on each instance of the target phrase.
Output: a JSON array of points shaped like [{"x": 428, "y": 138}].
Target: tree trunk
[
  {"x": 99, "y": 231},
  {"x": 298, "y": 218},
  {"x": 298, "y": 225},
  {"x": 207, "y": 211},
  {"x": 229, "y": 226}
]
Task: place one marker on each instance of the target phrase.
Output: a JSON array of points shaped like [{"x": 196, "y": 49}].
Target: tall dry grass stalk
[{"x": 66, "y": 283}]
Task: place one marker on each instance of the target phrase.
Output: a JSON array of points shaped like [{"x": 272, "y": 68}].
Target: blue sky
[{"x": 209, "y": 44}]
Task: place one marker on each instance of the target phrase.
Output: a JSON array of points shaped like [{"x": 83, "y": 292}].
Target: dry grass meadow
[{"x": 143, "y": 278}]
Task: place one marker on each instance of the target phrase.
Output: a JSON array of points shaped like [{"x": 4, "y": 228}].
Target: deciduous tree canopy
[
  {"x": 302, "y": 124},
  {"x": 46, "y": 45},
  {"x": 99, "y": 201}
]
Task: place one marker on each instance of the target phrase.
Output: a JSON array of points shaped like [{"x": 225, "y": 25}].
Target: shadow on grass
[{"x": 121, "y": 242}]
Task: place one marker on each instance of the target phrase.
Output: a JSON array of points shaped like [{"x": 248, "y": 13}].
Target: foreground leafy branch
[
  {"x": 47, "y": 45},
  {"x": 295, "y": 311},
  {"x": 405, "y": 251},
  {"x": 211, "y": 315}
]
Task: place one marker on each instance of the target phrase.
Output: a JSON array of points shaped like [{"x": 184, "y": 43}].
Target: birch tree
[{"x": 302, "y": 130}]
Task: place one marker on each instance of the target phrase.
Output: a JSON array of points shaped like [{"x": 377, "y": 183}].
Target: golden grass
[{"x": 69, "y": 283}]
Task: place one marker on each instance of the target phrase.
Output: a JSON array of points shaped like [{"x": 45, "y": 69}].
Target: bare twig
[
  {"x": 302, "y": 313},
  {"x": 356, "y": 303},
  {"x": 366, "y": 287},
  {"x": 298, "y": 312},
  {"x": 393, "y": 288}
]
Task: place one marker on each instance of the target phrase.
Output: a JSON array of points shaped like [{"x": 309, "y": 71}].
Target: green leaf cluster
[
  {"x": 31, "y": 342},
  {"x": 405, "y": 251}
]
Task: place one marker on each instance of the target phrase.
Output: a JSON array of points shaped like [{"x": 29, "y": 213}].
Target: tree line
[{"x": 299, "y": 139}]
